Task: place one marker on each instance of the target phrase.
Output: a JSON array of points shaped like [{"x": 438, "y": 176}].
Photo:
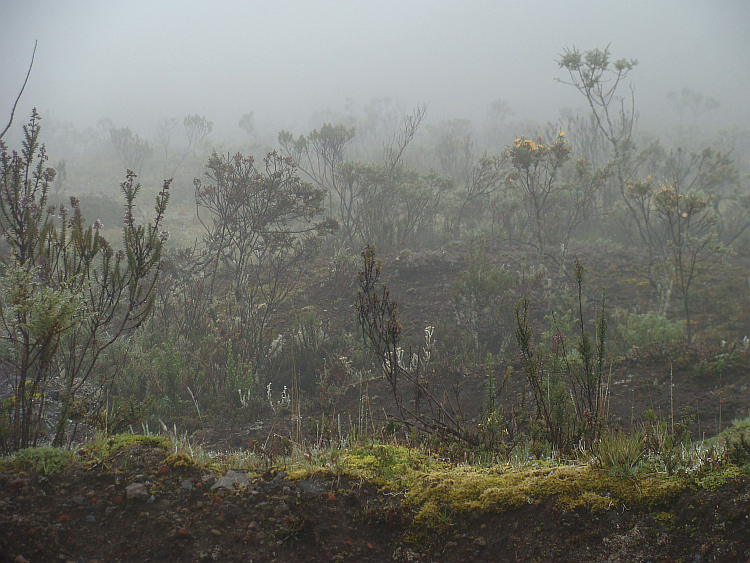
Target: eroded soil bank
[{"x": 139, "y": 504}]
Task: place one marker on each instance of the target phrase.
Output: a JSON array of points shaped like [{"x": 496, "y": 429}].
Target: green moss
[
  {"x": 103, "y": 448},
  {"x": 392, "y": 466},
  {"x": 502, "y": 489},
  {"x": 666, "y": 518},
  {"x": 179, "y": 461},
  {"x": 719, "y": 477},
  {"x": 125, "y": 440}
]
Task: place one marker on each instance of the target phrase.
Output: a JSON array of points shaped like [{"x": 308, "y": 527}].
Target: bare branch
[{"x": 13, "y": 111}]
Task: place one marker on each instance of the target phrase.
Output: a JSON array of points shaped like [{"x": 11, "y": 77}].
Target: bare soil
[{"x": 86, "y": 516}]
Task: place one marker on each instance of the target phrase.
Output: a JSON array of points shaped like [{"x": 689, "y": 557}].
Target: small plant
[
  {"x": 381, "y": 330},
  {"x": 291, "y": 530},
  {"x": 284, "y": 401},
  {"x": 621, "y": 453},
  {"x": 566, "y": 384},
  {"x": 44, "y": 460},
  {"x": 492, "y": 428},
  {"x": 668, "y": 446},
  {"x": 714, "y": 360}
]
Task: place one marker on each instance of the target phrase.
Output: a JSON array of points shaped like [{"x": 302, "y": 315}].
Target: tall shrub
[{"x": 67, "y": 294}]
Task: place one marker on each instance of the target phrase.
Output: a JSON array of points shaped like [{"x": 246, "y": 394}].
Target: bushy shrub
[
  {"x": 651, "y": 336},
  {"x": 66, "y": 293}
]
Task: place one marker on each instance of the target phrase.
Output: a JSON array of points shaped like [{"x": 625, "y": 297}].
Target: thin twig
[{"x": 13, "y": 111}]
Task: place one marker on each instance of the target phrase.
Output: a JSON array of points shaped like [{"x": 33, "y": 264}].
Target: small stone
[
  {"x": 186, "y": 485},
  {"x": 78, "y": 500},
  {"x": 183, "y": 532},
  {"x": 215, "y": 532},
  {"x": 20, "y": 559},
  {"x": 480, "y": 541},
  {"x": 280, "y": 509},
  {"x": 18, "y": 484},
  {"x": 90, "y": 518},
  {"x": 310, "y": 488},
  {"x": 136, "y": 491},
  {"x": 231, "y": 480},
  {"x": 230, "y": 512},
  {"x": 276, "y": 481}
]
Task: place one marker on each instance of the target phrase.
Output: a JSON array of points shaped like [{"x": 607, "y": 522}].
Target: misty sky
[{"x": 137, "y": 61}]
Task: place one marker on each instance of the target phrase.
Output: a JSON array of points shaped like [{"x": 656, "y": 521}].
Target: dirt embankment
[{"x": 139, "y": 504}]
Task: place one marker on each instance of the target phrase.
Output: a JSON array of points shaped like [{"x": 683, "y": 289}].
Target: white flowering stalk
[
  {"x": 427, "y": 350},
  {"x": 285, "y": 399},
  {"x": 244, "y": 397},
  {"x": 269, "y": 397}
]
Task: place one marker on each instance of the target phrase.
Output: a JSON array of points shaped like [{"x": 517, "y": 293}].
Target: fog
[{"x": 136, "y": 62}]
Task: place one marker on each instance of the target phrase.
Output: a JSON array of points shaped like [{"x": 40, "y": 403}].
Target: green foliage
[
  {"x": 483, "y": 297},
  {"x": 649, "y": 335},
  {"x": 169, "y": 377},
  {"x": 567, "y": 389},
  {"x": 620, "y": 452},
  {"x": 44, "y": 460},
  {"x": 67, "y": 295}
]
